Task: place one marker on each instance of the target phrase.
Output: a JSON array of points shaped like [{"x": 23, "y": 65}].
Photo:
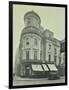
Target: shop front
[
  {"x": 53, "y": 72},
  {"x": 38, "y": 70}
]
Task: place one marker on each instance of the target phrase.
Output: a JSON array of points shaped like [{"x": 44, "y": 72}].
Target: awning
[
  {"x": 45, "y": 67},
  {"x": 52, "y": 67},
  {"x": 37, "y": 67}
]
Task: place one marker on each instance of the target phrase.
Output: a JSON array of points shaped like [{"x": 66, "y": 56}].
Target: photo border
[{"x": 11, "y": 3}]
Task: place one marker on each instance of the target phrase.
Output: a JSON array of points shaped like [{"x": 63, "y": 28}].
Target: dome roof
[
  {"x": 32, "y": 13},
  {"x": 31, "y": 29}
]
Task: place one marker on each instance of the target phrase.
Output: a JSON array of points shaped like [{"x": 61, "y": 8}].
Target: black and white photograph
[{"x": 37, "y": 44}]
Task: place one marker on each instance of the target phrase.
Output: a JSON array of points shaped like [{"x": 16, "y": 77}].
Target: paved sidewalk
[
  {"x": 34, "y": 81},
  {"x": 24, "y": 78}
]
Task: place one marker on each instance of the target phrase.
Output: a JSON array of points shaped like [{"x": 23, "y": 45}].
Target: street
[{"x": 17, "y": 81}]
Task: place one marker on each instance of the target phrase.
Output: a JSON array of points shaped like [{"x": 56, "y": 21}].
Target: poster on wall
[{"x": 37, "y": 44}]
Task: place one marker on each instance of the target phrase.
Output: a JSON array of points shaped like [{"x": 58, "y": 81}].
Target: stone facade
[
  {"x": 62, "y": 60},
  {"x": 37, "y": 44}
]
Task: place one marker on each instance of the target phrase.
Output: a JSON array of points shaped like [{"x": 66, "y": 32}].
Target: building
[
  {"x": 62, "y": 62},
  {"x": 37, "y": 47},
  {"x": 63, "y": 52}
]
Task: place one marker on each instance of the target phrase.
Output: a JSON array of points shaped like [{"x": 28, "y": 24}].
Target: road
[{"x": 27, "y": 81}]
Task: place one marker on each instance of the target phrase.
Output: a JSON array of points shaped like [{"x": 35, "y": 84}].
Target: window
[
  {"x": 35, "y": 55},
  {"x": 55, "y": 51},
  {"x": 49, "y": 35},
  {"x": 27, "y": 55},
  {"x": 40, "y": 54},
  {"x": 49, "y": 58},
  {"x": 55, "y": 58},
  {"x": 49, "y": 46},
  {"x": 27, "y": 43},
  {"x": 27, "y": 38},
  {"x": 35, "y": 41}
]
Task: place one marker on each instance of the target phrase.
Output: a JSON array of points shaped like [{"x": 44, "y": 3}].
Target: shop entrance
[{"x": 27, "y": 70}]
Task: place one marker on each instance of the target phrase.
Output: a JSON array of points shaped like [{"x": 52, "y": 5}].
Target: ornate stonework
[{"x": 36, "y": 44}]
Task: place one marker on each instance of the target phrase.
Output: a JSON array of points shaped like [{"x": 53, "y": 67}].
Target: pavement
[{"x": 19, "y": 81}]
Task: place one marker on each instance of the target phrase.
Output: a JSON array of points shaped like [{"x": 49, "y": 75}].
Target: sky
[{"x": 52, "y": 18}]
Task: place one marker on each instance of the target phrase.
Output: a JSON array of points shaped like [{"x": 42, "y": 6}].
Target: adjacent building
[
  {"x": 62, "y": 62},
  {"x": 63, "y": 52}
]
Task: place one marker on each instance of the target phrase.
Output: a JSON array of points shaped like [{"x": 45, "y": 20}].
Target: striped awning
[
  {"x": 45, "y": 67},
  {"x": 37, "y": 67},
  {"x": 52, "y": 67}
]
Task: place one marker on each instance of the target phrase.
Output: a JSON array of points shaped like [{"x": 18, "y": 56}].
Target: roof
[{"x": 32, "y": 13}]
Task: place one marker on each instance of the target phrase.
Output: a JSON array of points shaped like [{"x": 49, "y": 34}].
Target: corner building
[{"x": 37, "y": 46}]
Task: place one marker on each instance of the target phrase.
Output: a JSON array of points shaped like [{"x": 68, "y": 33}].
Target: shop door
[{"x": 27, "y": 71}]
